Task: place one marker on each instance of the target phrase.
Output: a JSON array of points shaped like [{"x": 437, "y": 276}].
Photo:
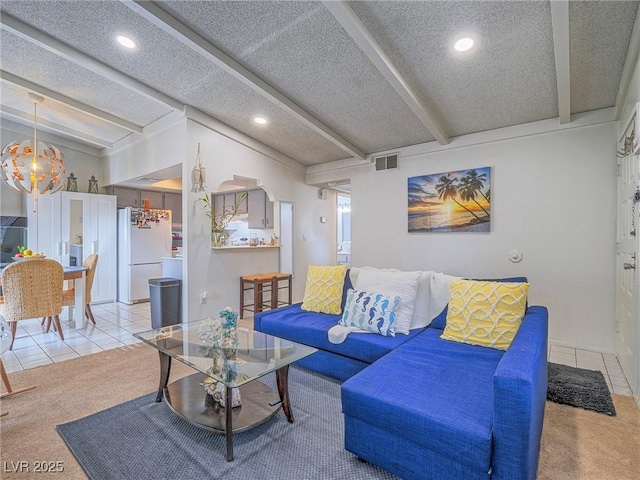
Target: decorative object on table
[
  {"x": 219, "y": 222},
  {"x": 32, "y": 167},
  {"x": 25, "y": 253},
  {"x": 457, "y": 201},
  {"x": 253, "y": 239},
  {"x": 210, "y": 331},
  {"x": 72, "y": 183},
  {"x": 199, "y": 175},
  {"x": 93, "y": 185},
  {"x": 219, "y": 336},
  {"x": 229, "y": 320},
  {"x": 274, "y": 240},
  {"x": 579, "y": 387}
]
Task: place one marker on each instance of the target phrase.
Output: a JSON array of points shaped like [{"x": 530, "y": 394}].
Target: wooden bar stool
[
  {"x": 263, "y": 283},
  {"x": 276, "y": 299},
  {"x": 260, "y": 283}
]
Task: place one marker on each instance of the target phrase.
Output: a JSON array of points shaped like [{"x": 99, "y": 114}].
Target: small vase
[{"x": 217, "y": 239}]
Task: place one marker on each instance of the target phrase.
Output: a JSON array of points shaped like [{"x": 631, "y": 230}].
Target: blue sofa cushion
[
  {"x": 454, "y": 383},
  {"x": 311, "y": 328},
  {"x": 441, "y": 320}
]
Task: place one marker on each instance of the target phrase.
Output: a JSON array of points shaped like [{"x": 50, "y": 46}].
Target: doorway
[
  {"x": 286, "y": 237},
  {"x": 344, "y": 229}
]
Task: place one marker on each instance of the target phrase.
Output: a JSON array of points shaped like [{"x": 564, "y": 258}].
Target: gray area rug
[
  {"x": 579, "y": 387},
  {"x": 142, "y": 439}
]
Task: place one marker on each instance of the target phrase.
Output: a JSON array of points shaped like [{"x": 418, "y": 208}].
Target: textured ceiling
[{"x": 304, "y": 66}]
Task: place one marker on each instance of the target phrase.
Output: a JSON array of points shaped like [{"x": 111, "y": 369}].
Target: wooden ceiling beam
[
  {"x": 363, "y": 38},
  {"x": 70, "y": 102},
  {"x": 560, "y": 25},
  {"x": 198, "y": 44}
]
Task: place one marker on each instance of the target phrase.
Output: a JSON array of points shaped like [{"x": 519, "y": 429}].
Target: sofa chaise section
[{"x": 435, "y": 409}]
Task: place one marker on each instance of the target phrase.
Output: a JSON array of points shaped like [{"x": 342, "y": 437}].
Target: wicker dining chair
[
  {"x": 31, "y": 289},
  {"x": 69, "y": 296}
]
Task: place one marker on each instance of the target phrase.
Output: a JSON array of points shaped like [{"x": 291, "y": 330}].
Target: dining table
[{"x": 78, "y": 275}]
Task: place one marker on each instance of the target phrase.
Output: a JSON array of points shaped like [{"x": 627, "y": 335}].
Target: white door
[
  {"x": 43, "y": 226},
  {"x": 628, "y": 232},
  {"x": 102, "y": 240},
  {"x": 286, "y": 237}
]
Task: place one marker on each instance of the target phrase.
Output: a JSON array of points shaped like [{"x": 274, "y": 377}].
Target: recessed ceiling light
[
  {"x": 260, "y": 120},
  {"x": 463, "y": 44},
  {"x": 126, "y": 41}
]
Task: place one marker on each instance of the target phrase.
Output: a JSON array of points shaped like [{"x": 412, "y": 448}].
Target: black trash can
[{"x": 165, "y": 295}]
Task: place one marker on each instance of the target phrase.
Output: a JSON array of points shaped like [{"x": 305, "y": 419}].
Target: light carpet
[{"x": 576, "y": 444}]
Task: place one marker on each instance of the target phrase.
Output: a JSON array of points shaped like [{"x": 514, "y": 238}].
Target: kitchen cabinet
[
  {"x": 156, "y": 199},
  {"x": 127, "y": 197},
  {"x": 218, "y": 205},
  {"x": 260, "y": 209},
  {"x": 241, "y": 198},
  {"x": 227, "y": 201},
  {"x": 173, "y": 202},
  {"x": 85, "y": 220}
]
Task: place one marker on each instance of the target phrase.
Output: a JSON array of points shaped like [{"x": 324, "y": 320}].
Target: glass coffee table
[{"x": 254, "y": 355}]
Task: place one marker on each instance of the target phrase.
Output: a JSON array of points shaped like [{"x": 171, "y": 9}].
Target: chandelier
[{"x": 31, "y": 166}]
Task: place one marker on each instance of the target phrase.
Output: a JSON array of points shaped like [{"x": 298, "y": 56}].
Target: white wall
[
  {"x": 553, "y": 198},
  {"x": 83, "y": 161},
  {"x": 218, "y": 271},
  {"x": 161, "y": 147}
]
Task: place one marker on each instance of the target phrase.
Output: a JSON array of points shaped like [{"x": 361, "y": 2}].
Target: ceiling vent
[
  {"x": 386, "y": 162},
  {"x": 146, "y": 179}
]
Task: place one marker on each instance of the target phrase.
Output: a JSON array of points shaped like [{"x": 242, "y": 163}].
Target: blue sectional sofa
[{"x": 426, "y": 408}]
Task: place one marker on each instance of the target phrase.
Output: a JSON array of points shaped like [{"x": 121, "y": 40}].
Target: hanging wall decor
[
  {"x": 199, "y": 175},
  {"x": 457, "y": 201}
]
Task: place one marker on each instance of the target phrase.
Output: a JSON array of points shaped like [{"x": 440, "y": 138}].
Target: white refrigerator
[{"x": 144, "y": 237}]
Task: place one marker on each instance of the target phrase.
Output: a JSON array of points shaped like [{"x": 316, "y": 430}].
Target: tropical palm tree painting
[{"x": 450, "y": 202}]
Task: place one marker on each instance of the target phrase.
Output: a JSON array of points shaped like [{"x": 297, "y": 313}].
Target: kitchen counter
[
  {"x": 172, "y": 267},
  {"x": 245, "y": 247}
]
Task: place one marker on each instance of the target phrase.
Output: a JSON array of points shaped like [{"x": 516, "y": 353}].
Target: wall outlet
[{"x": 203, "y": 298}]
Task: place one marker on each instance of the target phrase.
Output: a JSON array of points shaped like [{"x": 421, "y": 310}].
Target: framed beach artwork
[{"x": 450, "y": 202}]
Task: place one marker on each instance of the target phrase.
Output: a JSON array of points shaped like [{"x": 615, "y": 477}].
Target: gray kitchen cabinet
[
  {"x": 127, "y": 197},
  {"x": 218, "y": 205},
  {"x": 242, "y": 202},
  {"x": 173, "y": 202},
  {"x": 260, "y": 209},
  {"x": 156, "y": 199}
]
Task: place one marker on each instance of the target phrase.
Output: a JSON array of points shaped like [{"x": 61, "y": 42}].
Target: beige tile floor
[{"x": 117, "y": 322}]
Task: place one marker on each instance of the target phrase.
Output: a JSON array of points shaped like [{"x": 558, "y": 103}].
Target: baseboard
[{"x": 608, "y": 351}]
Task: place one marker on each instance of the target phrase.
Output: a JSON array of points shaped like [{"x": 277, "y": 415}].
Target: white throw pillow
[{"x": 391, "y": 283}]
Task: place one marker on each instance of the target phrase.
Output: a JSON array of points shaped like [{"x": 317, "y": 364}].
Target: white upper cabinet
[{"x": 70, "y": 226}]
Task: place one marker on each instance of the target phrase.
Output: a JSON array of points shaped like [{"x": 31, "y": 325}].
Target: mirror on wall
[{"x": 75, "y": 232}]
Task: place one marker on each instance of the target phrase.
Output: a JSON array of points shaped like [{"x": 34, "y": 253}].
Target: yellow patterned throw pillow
[
  {"x": 323, "y": 291},
  {"x": 485, "y": 313}
]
